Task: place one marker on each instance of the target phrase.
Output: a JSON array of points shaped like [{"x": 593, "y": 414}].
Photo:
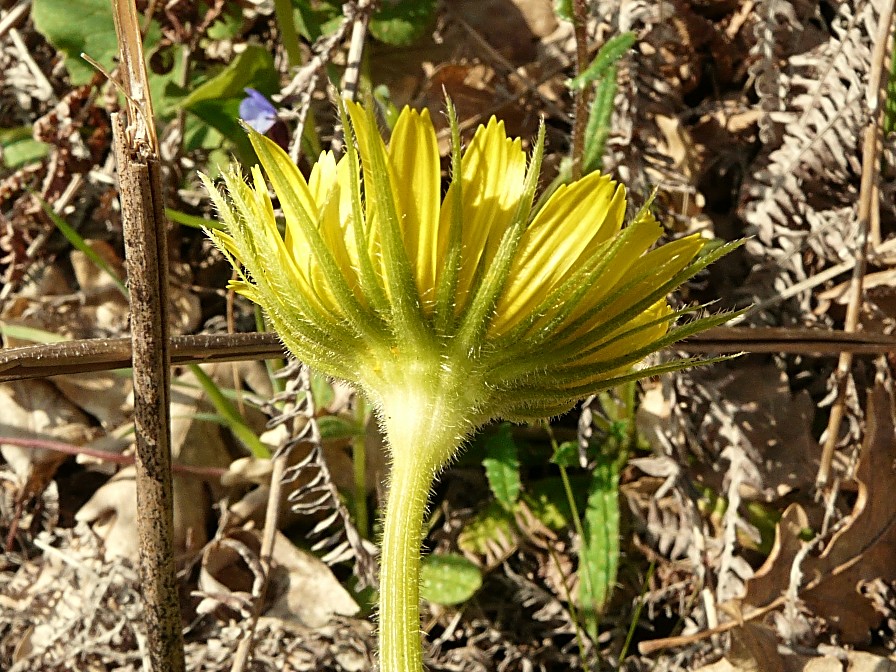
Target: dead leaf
[
  {"x": 34, "y": 409},
  {"x": 754, "y": 648},
  {"x": 301, "y": 588},
  {"x": 862, "y": 550},
  {"x": 112, "y": 509}
]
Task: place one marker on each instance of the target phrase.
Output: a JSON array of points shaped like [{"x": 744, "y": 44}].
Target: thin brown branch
[
  {"x": 580, "y": 122},
  {"x": 204, "y": 473},
  {"x": 868, "y": 204},
  {"x": 107, "y": 354}
]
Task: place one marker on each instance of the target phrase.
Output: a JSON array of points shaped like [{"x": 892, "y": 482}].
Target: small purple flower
[{"x": 257, "y": 111}]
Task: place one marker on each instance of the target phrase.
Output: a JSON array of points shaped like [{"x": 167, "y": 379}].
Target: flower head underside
[{"x": 375, "y": 266}]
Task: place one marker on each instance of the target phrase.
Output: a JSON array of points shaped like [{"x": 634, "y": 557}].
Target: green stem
[
  {"x": 359, "y": 464},
  {"x": 400, "y": 646},
  {"x": 425, "y": 420}
]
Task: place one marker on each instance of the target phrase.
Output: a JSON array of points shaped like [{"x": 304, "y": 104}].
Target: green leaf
[
  {"x": 566, "y": 455},
  {"x": 449, "y": 579},
  {"x": 253, "y": 67},
  {"x": 217, "y": 101},
  {"x": 228, "y": 24},
  {"x": 563, "y": 9},
  {"x": 502, "y": 466},
  {"x": 315, "y": 21},
  {"x": 611, "y": 52},
  {"x": 491, "y": 524},
  {"x": 598, "y": 128},
  {"x": 33, "y": 334},
  {"x": 19, "y": 147},
  {"x": 334, "y": 428},
  {"x": 75, "y": 26},
  {"x": 402, "y": 22},
  {"x": 599, "y": 555},
  {"x": 229, "y": 414},
  {"x": 321, "y": 390},
  {"x": 79, "y": 243},
  {"x": 193, "y": 221}
]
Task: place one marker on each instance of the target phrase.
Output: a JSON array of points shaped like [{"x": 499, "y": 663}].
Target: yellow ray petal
[
  {"x": 414, "y": 157},
  {"x": 574, "y": 222},
  {"x": 494, "y": 171}
]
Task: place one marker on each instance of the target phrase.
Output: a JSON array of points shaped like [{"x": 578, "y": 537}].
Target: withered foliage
[{"x": 746, "y": 116}]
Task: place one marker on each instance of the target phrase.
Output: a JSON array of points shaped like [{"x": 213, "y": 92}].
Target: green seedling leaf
[
  {"x": 502, "y": 466},
  {"x": 79, "y": 243},
  {"x": 19, "y": 147},
  {"x": 599, "y": 556},
  {"x": 449, "y": 579},
  {"x": 546, "y": 500},
  {"x": 492, "y": 524},
  {"x": 230, "y": 415},
  {"x": 612, "y": 50},
  {"x": 402, "y": 22}
]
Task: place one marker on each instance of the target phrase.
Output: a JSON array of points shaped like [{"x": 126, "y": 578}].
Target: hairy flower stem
[{"x": 424, "y": 427}]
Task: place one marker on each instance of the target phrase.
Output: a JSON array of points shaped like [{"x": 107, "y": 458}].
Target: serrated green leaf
[
  {"x": 449, "y": 579},
  {"x": 502, "y": 466},
  {"x": 612, "y": 50},
  {"x": 402, "y": 22},
  {"x": 599, "y": 555},
  {"x": 598, "y": 127}
]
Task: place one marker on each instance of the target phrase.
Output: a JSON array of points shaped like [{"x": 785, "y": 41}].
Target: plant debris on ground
[{"x": 677, "y": 524}]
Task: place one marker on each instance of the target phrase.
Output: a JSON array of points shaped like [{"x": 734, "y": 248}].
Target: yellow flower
[
  {"x": 542, "y": 308},
  {"x": 449, "y": 311}
]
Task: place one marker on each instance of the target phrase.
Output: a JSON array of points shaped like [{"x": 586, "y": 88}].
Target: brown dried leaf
[
  {"x": 861, "y": 551},
  {"x": 34, "y": 409},
  {"x": 302, "y": 588}
]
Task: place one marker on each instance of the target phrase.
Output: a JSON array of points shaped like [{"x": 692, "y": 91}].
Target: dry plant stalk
[
  {"x": 143, "y": 216},
  {"x": 868, "y": 213},
  {"x": 106, "y": 354}
]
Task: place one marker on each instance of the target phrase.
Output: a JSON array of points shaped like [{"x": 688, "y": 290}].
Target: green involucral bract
[{"x": 450, "y": 312}]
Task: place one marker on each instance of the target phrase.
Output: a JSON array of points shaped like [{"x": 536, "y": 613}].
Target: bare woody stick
[
  {"x": 143, "y": 215},
  {"x": 106, "y": 354}
]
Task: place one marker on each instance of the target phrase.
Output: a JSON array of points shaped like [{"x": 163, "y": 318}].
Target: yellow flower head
[
  {"x": 379, "y": 279},
  {"x": 449, "y": 311}
]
